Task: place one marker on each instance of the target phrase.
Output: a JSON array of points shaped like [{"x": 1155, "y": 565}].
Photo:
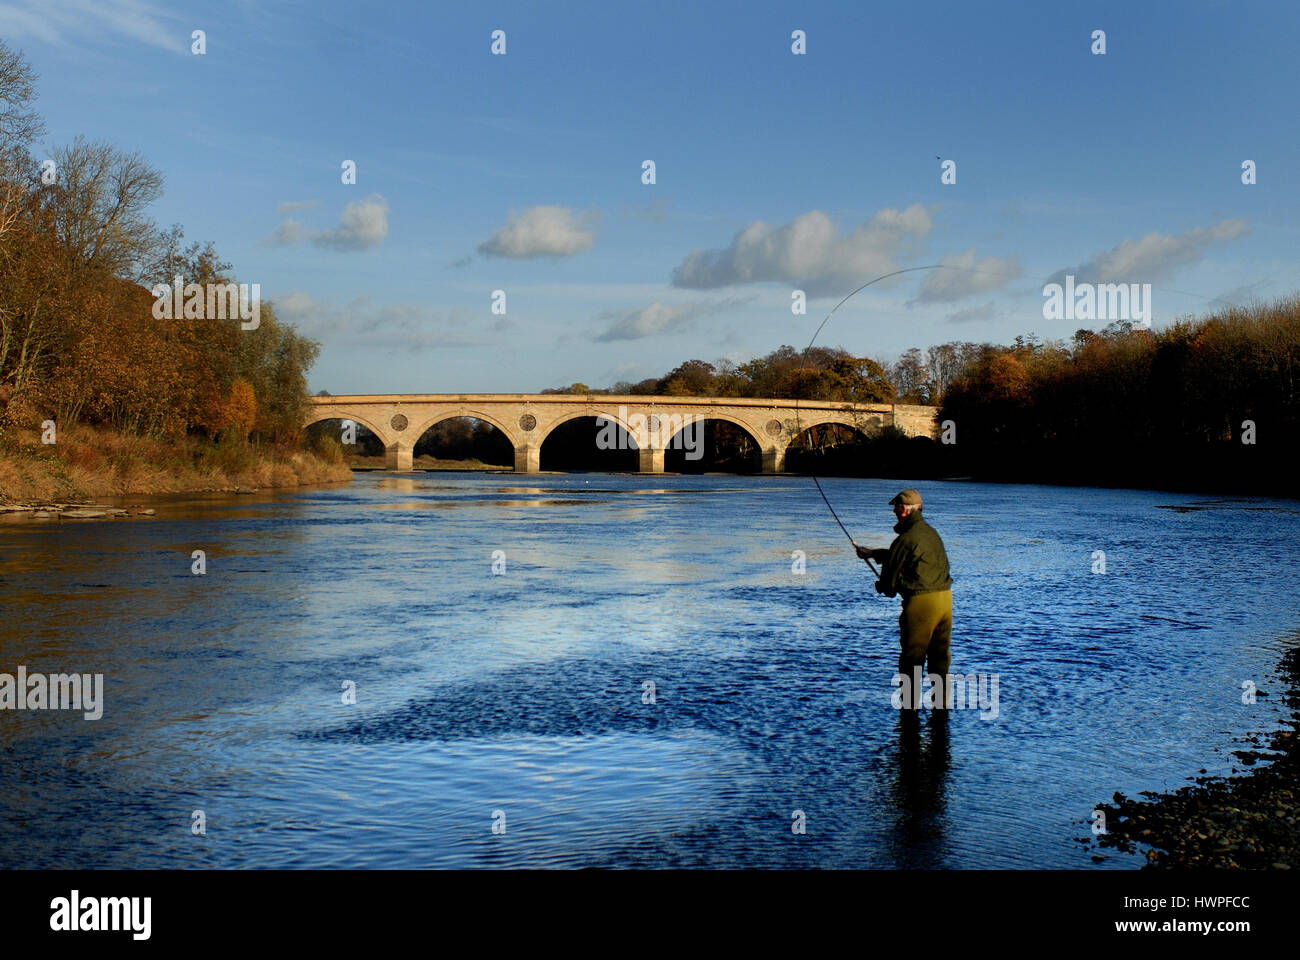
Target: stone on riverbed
[{"x": 83, "y": 514}]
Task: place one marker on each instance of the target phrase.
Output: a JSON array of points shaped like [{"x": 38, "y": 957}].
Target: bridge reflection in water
[{"x": 653, "y": 424}]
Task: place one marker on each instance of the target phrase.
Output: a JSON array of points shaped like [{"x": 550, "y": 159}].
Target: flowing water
[{"x": 520, "y": 699}]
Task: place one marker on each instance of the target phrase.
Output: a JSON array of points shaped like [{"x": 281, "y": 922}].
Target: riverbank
[
  {"x": 1222, "y": 470},
  {"x": 1249, "y": 822},
  {"x": 357, "y": 462},
  {"x": 90, "y": 462}
]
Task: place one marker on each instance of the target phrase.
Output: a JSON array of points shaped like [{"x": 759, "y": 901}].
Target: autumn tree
[
  {"x": 694, "y": 378},
  {"x": 99, "y": 206},
  {"x": 78, "y": 335},
  {"x": 241, "y": 409},
  {"x": 911, "y": 379},
  {"x": 20, "y": 125}
]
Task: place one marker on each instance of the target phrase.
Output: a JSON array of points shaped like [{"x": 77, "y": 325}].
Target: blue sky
[{"x": 774, "y": 171}]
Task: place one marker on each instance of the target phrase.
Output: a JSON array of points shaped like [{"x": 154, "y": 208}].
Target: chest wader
[{"x": 925, "y": 630}]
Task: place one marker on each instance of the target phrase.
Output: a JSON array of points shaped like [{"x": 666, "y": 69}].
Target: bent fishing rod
[
  {"x": 841, "y": 523},
  {"x": 849, "y": 296},
  {"x": 817, "y": 332},
  {"x": 895, "y": 273}
]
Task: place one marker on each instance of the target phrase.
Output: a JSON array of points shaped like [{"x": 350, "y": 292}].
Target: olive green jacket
[{"x": 917, "y": 561}]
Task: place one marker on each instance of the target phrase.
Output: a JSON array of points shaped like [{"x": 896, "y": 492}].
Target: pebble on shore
[
  {"x": 65, "y": 511},
  {"x": 97, "y": 511},
  {"x": 1249, "y": 822}
]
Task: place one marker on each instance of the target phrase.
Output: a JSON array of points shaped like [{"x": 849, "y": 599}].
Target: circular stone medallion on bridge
[
  {"x": 399, "y": 422},
  {"x": 527, "y": 422},
  {"x": 773, "y": 428}
]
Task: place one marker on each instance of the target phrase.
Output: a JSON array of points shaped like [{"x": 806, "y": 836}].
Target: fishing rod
[
  {"x": 841, "y": 523},
  {"x": 851, "y": 294},
  {"x": 817, "y": 332}
]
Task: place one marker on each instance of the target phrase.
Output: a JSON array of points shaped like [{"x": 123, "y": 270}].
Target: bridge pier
[
  {"x": 651, "y": 459},
  {"x": 397, "y": 456},
  {"x": 528, "y": 458},
  {"x": 774, "y": 459}
]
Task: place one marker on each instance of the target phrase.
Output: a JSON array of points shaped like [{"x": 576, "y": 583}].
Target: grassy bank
[{"x": 88, "y": 462}]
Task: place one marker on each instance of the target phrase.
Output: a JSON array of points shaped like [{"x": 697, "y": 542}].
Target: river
[{"x": 507, "y": 719}]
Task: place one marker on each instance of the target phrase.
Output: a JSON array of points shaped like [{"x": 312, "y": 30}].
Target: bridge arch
[
  {"x": 489, "y": 447},
  {"x": 744, "y": 425},
  {"x": 763, "y": 449},
  {"x": 824, "y": 442},
  {"x": 865, "y": 427},
  {"x": 545, "y": 431},
  {"x": 567, "y": 439},
  {"x": 321, "y": 414},
  {"x": 428, "y": 423},
  {"x": 423, "y": 427}
]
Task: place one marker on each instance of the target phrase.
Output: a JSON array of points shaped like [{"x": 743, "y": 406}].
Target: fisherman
[{"x": 916, "y": 566}]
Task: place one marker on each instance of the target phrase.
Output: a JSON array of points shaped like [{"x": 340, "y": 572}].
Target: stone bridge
[{"x": 527, "y": 419}]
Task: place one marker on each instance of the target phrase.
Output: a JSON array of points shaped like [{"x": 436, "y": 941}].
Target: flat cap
[{"x": 908, "y": 496}]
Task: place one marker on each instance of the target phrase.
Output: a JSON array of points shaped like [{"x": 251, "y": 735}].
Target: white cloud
[
  {"x": 809, "y": 252},
  {"x": 973, "y": 314},
  {"x": 660, "y": 317},
  {"x": 959, "y": 275},
  {"x": 1154, "y": 258},
  {"x": 289, "y": 232},
  {"x": 74, "y": 21},
  {"x": 295, "y": 206},
  {"x": 294, "y": 305},
  {"x": 360, "y": 322},
  {"x": 364, "y": 224},
  {"x": 540, "y": 232}
]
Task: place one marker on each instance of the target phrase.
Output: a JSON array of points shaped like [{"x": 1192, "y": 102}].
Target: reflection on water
[
  {"x": 920, "y": 785},
  {"x": 631, "y": 675}
]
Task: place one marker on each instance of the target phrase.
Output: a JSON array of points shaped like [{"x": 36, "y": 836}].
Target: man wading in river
[{"x": 916, "y": 566}]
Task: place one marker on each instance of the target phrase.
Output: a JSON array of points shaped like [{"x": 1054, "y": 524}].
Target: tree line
[
  {"x": 79, "y": 342},
  {"x": 818, "y": 373},
  {"x": 1207, "y": 402}
]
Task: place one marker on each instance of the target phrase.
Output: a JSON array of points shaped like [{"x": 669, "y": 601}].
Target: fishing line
[
  {"x": 817, "y": 332},
  {"x": 886, "y": 276}
]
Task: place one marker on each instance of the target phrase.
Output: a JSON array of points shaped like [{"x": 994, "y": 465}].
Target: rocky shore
[
  {"x": 77, "y": 510},
  {"x": 1249, "y": 822}
]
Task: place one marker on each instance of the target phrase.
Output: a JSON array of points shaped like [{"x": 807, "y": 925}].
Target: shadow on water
[{"x": 918, "y": 789}]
